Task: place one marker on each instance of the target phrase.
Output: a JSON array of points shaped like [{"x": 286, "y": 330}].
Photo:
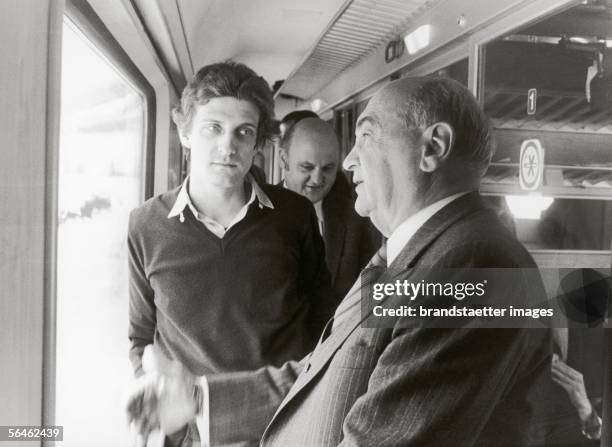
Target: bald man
[{"x": 310, "y": 154}]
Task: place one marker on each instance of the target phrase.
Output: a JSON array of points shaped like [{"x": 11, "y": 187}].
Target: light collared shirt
[
  {"x": 183, "y": 201},
  {"x": 320, "y": 219},
  {"x": 318, "y": 209},
  {"x": 404, "y": 232}
]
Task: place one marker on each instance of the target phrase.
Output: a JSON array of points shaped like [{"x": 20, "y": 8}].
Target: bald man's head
[
  {"x": 419, "y": 140},
  {"x": 311, "y": 155},
  {"x": 291, "y": 118},
  {"x": 420, "y": 102}
]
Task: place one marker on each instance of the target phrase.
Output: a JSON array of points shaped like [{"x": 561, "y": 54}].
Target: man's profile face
[
  {"x": 385, "y": 163},
  {"x": 222, "y": 141},
  {"x": 311, "y": 165}
]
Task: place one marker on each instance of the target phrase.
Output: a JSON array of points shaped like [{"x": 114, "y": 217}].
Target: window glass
[
  {"x": 547, "y": 223},
  {"x": 100, "y": 181},
  {"x": 551, "y": 81}
]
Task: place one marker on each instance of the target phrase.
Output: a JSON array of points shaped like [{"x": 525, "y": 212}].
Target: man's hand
[
  {"x": 142, "y": 408},
  {"x": 162, "y": 398},
  {"x": 177, "y": 406},
  {"x": 573, "y": 383}
]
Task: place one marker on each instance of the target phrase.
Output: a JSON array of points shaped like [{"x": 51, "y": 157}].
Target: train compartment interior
[{"x": 89, "y": 87}]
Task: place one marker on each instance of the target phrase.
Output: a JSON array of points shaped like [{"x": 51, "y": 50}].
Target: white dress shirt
[{"x": 320, "y": 219}]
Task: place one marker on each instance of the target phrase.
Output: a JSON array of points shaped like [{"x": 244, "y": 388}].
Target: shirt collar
[
  {"x": 404, "y": 232},
  {"x": 319, "y": 209},
  {"x": 262, "y": 197},
  {"x": 183, "y": 200}
]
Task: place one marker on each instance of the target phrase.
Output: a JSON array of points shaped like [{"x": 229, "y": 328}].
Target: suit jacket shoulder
[{"x": 464, "y": 233}]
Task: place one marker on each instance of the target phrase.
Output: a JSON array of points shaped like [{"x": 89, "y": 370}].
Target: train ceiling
[
  {"x": 271, "y": 36},
  {"x": 307, "y": 43},
  {"x": 361, "y": 27}
]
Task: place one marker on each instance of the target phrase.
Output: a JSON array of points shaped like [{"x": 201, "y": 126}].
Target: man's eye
[
  {"x": 247, "y": 132},
  {"x": 305, "y": 168},
  {"x": 362, "y": 134},
  {"x": 211, "y": 128}
]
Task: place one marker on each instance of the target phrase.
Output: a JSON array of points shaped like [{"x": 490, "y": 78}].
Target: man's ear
[
  {"x": 438, "y": 140},
  {"x": 184, "y": 139},
  {"x": 284, "y": 158}
]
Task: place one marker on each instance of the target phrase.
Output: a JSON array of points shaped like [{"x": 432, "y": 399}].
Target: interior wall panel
[{"x": 24, "y": 47}]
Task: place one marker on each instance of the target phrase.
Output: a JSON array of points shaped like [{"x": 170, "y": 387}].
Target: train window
[
  {"x": 102, "y": 133},
  {"x": 552, "y": 81},
  {"x": 546, "y": 223}
]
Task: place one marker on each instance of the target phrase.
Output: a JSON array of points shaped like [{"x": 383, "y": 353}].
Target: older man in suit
[
  {"x": 311, "y": 157},
  {"x": 422, "y": 146}
]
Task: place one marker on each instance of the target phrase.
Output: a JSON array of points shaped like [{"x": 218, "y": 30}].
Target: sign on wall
[
  {"x": 531, "y": 165},
  {"x": 532, "y": 101}
]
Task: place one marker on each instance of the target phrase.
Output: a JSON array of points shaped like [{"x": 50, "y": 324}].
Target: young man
[{"x": 226, "y": 274}]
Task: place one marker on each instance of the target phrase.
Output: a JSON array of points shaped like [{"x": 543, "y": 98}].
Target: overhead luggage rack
[{"x": 362, "y": 26}]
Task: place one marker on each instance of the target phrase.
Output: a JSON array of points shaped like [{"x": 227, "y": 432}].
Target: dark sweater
[{"x": 259, "y": 296}]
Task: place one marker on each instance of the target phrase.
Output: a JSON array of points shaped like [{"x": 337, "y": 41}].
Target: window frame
[
  {"x": 87, "y": 21},
  {"x": 92, "y": 27},
  {"x": 532, "y": 12}
]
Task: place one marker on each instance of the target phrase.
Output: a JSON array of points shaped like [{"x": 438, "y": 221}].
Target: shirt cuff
[
  {"x": 203, "y": 416},
  {"x": 591, "y": 428}
]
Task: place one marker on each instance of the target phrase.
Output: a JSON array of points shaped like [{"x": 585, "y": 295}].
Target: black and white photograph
[{"x": 290, "y": 223}]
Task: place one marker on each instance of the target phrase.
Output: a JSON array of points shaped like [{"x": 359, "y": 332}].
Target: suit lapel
[
  {"x": 333, "y": 233},
  {"x": 406, "y": 259},
  {"x": 320, "y": 357},
  {"x": 334, "y": 225}
]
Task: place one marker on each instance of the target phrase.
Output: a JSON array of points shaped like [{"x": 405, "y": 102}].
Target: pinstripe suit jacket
[{"x": 396, "y": 386}]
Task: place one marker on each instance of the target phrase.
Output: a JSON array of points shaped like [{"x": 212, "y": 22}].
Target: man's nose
[
  {"x": 227, "y": 144},
  {"x": 350, "y": 161},
  {"x": 316, "y": 176}
]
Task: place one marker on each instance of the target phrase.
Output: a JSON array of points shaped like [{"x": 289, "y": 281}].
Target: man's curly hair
[{"x": 227, "y": 79}]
